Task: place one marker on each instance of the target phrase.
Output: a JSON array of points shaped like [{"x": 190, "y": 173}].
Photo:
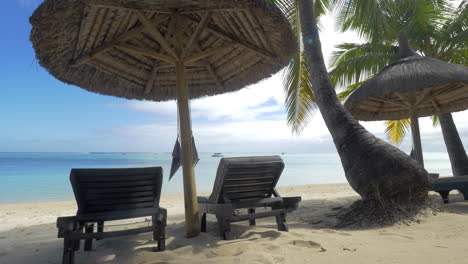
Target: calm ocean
[{"x": 26, "y": 177}]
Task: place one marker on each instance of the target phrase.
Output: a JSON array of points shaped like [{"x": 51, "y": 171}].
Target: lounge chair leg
[
  {"x": 68, "y": 251},
  {"x": 88, "y": 246},
  {"x": 224, "y": 228},
  {"x": 252, "y": 221},
  {"x": 159, "y": 229},
  {"x": 77, "y": 243},
  {"x": 445, "y": 195},
  {"x": 100, "y": 228},
  {"x": 281, "y": 219},
  {"x": 203, "y": 223},
  {"x": 160, "y": 237},
  {"x": 281, "y": 223}
]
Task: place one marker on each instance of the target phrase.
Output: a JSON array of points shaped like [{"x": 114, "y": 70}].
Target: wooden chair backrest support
[
  {"x": 246, "y": 178},
  {"x": 109, "y": 194}
]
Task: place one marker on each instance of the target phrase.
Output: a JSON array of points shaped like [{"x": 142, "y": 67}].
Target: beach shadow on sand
[{"x": 39, "y": 244}]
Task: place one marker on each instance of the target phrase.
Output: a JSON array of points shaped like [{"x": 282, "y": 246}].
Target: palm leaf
[
  {"x": 300, "y": 100},
  {"x": 396, "y": 130},
  {"x": 435, "y": 120},
  {"x": 355, "y": 62},
  {"x": 349, "y": 90}
]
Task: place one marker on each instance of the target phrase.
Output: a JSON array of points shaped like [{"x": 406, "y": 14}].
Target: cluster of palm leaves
[{"x": 435, "y": 28}]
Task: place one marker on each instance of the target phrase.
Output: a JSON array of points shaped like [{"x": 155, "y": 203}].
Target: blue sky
[{"x": 39, "y": 113}]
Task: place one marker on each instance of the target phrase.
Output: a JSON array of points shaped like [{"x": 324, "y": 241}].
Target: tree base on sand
[
  {"x": 377, "y": 170},
  {"x": 370, "y": 213}
]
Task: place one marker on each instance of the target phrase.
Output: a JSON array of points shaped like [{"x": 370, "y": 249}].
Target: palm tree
[
  {"x": 437, "y": 30},
  {"x": 375, "y": 169}
]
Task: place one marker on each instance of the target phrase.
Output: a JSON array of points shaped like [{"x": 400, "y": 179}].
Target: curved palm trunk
[
  {"x": 374, "y": 168},
  {"x": 456, "y": 152}
]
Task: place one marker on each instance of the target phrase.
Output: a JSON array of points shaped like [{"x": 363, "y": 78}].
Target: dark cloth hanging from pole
[{"x": 177, "y": 157}]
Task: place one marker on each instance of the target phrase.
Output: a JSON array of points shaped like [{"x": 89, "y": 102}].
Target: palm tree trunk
[
  {"x": 456, "y": 152},
  {"x": 375, "y": 169}
]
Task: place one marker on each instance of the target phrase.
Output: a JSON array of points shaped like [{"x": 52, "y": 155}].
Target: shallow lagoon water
[{"x": 27, "y": 177}]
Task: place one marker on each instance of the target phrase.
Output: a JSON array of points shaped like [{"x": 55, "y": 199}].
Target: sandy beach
[{"x": 28, "y": 235}]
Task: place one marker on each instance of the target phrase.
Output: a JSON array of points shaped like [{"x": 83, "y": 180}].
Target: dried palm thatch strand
[{"x": 87, "y": 42}]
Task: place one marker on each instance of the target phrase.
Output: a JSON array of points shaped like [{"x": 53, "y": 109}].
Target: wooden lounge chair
[
  {"x": 246, "y": 183},
  {"x": 112, "y": 194},
  {"x": 444, "y": 185}
]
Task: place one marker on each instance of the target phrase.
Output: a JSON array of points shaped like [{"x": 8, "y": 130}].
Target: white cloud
[
  {"x": 249, "y": 103},
  {"x": 254, "y": 118}
]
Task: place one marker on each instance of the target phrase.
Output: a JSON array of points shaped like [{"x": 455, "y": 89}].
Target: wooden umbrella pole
[
  {"x": 192, "y": 221},
  {"x": 416, "y": 138}
]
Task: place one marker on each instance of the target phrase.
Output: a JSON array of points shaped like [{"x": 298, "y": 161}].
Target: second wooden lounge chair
[
  {"x": 246, "y": 183},
  {"x": 112, "y": 194},
  {"x": 444, "y": 185}
]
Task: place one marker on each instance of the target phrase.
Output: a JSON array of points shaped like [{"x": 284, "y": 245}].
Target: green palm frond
[
  {"x": 451, "y": 40},
  {"x": 435, "y": 120},
  {"x": 353, "y": 62},
  {"x": 300, "y": 100},
  {"x": 396, "y": 130},
  {"x": 369, "y": 18},
  {"x": 349, "y": 90}
]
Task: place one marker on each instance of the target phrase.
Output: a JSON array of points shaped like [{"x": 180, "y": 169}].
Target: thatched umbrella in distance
[
  {"x": 413, "y": 86},
  {"x": 163, "y": 50}
]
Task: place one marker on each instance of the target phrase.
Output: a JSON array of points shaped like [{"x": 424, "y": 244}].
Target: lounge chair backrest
[
  {"x": 246, "y": 178},
  {"x": 117, "y": 191}
]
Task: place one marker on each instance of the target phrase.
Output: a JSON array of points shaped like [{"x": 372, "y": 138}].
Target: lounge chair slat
[
  {"x": 253, "y": 171},
  {"x": 251, "y": 175},
  {"x": 116, "y": 207},
  {"x": 239, "y": 180},
  {"x": 105, "y": 185},
  {"x": 247, "y": 193},
  {"x": 250, "y": 183},
  {"x": 114, "y": 178},
  {"x": 127, "y": 200},
  {"x": 245, "y": 189},
  {"x": 258, "y": 165},
  {"x": 123, "y": 195},
  {"x": 120, "y": 190}
]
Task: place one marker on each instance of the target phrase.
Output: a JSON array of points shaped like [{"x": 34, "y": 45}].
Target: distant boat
[{"x": 218, "y": 154}]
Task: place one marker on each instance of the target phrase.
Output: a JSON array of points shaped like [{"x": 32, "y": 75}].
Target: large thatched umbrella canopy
[
  {"x": 413, "y": 86},
  {"x": 161, "y": 50},
  {"x": 128, "y": 49}
]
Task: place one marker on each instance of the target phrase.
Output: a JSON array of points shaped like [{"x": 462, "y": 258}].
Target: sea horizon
[{"x": 44, "y": 176}]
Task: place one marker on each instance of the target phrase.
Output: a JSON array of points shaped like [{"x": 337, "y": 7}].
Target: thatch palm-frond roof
[
  {"x": 428, "y": 85},
  {"x": 125, "y": 47}
]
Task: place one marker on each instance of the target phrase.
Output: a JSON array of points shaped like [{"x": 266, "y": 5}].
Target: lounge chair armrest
[
  {"x": 66, "y": 224},
  {"x": 291, "y": 203}
]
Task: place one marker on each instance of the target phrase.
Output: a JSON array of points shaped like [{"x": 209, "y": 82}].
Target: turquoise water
[{"x": 26, "y": 177}]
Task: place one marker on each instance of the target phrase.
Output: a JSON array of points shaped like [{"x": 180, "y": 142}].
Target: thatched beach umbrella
[
  {"x": 413, "y": 86},
  {"x": 163, "y": 50}
]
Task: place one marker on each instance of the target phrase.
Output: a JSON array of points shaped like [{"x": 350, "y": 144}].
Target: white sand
[{"x": 28, "y": 235}]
